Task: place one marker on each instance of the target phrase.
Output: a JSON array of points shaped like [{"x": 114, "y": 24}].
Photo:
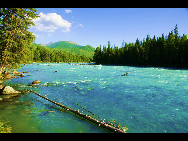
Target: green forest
[
  {"x": 15, "y": 39},
  {"x": 71, "y": 47},
  {"x": 39, "y": 53},
  {"x": 17, "y": 47},
  {"x": 165, "y": 51}
]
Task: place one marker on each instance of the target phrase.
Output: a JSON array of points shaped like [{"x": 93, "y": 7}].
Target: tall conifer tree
[{"x": 14, "y": 36}]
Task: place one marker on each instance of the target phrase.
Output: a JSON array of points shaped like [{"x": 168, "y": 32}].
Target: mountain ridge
[
  {"x": 72, "y": 47},
  {"x": 50, "y": 43},
  {"x": 46, "y": 44}
]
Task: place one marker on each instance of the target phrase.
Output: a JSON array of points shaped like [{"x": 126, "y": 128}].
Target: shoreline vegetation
[
  {"x": 166, "y": 51},
  {"x": 17, "y": 47},
  {"x": 15, "y": 41}
]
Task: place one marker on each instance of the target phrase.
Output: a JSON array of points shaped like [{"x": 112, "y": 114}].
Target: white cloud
[
  {"x": 68, "y": 11},
  {"x": 35, "y": 35},
  {"x": 78, "y": 25},
  {"x": 50, "y": 22}
]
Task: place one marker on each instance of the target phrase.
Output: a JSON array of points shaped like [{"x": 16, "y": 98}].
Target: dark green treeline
[{"x": 168, "y": 51}]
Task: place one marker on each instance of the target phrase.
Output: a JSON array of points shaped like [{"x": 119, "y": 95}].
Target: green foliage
[
  {"x": 169, "y": 51},
  {"x": 4, "y": 128},
  {"x": 16, "y": 45},
  {"x": 14, "y": 37},
  {"x": 74, "y": 48},
  {"x": 47, "y": 54}
]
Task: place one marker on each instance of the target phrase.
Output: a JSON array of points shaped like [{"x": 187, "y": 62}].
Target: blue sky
[{"x": 97, "y": 26}]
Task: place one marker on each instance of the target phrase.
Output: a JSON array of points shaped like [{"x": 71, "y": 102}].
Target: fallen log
[{"x": 99, "y": 123}]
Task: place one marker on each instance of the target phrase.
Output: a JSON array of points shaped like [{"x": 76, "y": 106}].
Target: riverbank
[
  {"x": 4, "y": 127},
  {"x": 148, "y": 66}
]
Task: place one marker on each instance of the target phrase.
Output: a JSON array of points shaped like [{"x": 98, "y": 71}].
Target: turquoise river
[{"x": 147, "y": 100}]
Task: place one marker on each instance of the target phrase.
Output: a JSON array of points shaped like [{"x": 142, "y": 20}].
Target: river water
[{"x": 146, "y": 100}]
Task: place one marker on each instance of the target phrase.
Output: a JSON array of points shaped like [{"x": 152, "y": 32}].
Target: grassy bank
[{"x": 4, "y": 127}]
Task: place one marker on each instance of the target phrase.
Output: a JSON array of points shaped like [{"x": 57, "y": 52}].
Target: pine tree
[
  {"x": 176, "y": 30},
  {"x": 98, "y": 55},
  {"x": 123, "y": 44},
  {"x": 170, "y": 49},
  {"x": 161, "y": 51},
  {"x": 14, "y": 36}
]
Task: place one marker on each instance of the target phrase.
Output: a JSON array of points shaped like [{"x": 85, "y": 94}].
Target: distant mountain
[
  {"x": 72, "y": 42},
  {"x": 47, "y": 44},
  {"x": 73, "y": 47}
]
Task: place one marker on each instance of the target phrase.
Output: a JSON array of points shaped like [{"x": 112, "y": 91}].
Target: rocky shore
[
  {"x": 8, "y": 95},
  {"x": 6, "y": 76}
]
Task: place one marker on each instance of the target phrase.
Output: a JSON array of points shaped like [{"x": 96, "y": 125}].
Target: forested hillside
[
  {"x": 164, "y": 51},
  {"x": 39, "y": 53},
  {"x": 71, "y": 47}
]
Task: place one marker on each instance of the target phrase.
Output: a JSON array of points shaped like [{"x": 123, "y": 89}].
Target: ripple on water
[{"x": 146, "y": 100}]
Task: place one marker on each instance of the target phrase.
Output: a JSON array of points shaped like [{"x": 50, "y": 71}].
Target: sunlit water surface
[{"x": 147, "y": 100}]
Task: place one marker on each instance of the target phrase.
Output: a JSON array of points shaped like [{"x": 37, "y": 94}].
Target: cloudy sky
[{"x": 97, "y": 26}]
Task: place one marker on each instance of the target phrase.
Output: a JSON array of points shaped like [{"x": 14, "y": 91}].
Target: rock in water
[
  {"x": 21, "y": 75},
  {"x": 1, "y": 82},
  {"x": 9, "y": 90},
  {"x": 36, "y": 82}
]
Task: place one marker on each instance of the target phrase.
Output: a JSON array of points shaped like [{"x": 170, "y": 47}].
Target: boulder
[
  {"x": 8, "y": 76},
  {"x": 1, "y": 81},
  {"x": 24, "y": 72},
  {"x": 21, "y": 75},
  {"x": 36, "y": 82},
  {"x": 9, "y": 90},
  {"x": 15, "y": 73}
]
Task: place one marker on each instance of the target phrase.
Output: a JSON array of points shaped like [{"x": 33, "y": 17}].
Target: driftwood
[{"x": 99, "y": 123}]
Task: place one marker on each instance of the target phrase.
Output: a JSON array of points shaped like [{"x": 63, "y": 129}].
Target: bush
[{"x": 4, "y": 128}]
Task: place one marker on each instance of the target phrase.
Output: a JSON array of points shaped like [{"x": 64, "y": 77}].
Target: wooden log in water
[{"x": 99, "y": 123}]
